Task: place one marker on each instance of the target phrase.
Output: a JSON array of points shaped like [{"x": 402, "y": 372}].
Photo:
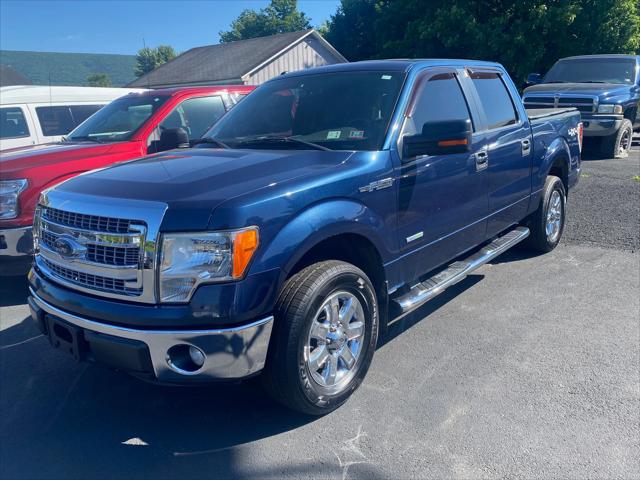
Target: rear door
[
  {"x": 506, "y": 134},
  {"x": 442, "y": 198}
]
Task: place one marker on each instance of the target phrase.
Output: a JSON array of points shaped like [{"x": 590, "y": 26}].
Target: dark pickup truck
[
  {"x": 606, "y": 90},
  {"x": 326, "y": 205}
]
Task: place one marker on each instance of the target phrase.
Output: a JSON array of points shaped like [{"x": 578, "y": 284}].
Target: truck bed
[{"x": 542, "y": 113}]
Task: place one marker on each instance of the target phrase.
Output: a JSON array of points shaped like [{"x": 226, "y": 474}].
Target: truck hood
[
  {"x": 17, "y": 159},
  {"x": 194, "y": 182},
  {"x": 600, "y": 90}
]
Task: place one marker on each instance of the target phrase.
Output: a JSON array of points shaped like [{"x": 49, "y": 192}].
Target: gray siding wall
[{"x": 306, "y": 54}]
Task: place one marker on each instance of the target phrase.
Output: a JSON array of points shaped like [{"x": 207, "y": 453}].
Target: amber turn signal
[
  {"x": 453, "y": 143},
  {"x": 245, "y": 244}
]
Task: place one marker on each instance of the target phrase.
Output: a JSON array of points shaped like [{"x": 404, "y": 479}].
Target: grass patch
[
  {"x": 637, "y": 178},
  {"x": 584, "y": 175}
]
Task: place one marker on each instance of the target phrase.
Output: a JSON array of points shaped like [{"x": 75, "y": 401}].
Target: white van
[{"x": 31, "y": 115}]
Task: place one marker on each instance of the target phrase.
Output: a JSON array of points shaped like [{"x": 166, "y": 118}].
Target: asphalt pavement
[{"x": 529, "y": 368}]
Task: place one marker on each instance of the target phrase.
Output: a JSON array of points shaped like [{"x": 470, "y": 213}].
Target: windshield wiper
[
  {"x": 209, "y": 141},
  {"x": 83, "y": 138},
  {"x": 275, "y": 139},
  {"x": 592, "y": 81},
  {"x": 557, "y": 81}
]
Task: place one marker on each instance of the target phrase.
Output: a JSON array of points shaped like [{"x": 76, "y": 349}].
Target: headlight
[
  {"x": 615, "y": 109},
  {"x": 9, "y": 192},
  {"x": 189, "y": 259}
]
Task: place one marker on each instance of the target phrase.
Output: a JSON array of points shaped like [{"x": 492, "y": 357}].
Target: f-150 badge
[{"x": 377, "y": 185}]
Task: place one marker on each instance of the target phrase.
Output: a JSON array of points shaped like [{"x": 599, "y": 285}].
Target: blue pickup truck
[
  {"x": 606, "y": 90},
  {"x": 326, "y": 205}
]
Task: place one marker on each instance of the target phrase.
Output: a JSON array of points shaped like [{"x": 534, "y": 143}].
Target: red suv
[{"x": 129, "y": 127}]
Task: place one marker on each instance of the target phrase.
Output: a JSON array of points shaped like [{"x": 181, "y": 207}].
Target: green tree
[
  {"x": 525, "y": 36},
  {"x": 98, "y": 80},
  {"x": 281, "y": 16},
  {"x": 148, "y": 59}
]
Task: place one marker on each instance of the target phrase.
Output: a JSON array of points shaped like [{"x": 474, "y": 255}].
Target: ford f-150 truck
[
  {"x": 128, "y": 128},
  {"x": 606, "y": 90},
  {"x": 326, "y": 205}
]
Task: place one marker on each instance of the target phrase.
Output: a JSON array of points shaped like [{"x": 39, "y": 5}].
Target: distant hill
[{"x": 69, "y": 68}]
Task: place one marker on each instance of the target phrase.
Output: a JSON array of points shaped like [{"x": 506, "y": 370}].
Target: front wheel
[
  {"x": 618, "y": 145},
  {"x": 547, "y": 223},
  {"x": 324, "y": 337}
]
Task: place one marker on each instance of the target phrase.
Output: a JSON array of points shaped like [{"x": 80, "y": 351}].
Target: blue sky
[{"x": 115, "y": 26}]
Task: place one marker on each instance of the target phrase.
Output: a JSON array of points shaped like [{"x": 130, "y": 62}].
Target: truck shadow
[
  {"x": 67, "y": 420},
  {"x": 13, "y": 291}
]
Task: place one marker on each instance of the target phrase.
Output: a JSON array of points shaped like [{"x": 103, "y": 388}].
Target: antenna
[
  {"x": 50, "y": 94},
  {"x": 144, "y": 45}
]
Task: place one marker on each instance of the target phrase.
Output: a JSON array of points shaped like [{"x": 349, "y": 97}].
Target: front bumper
[
  {"x": 16, "y": 249},
  {"x": 230, "y": 353},
  {"x": 601, "y": 125}
]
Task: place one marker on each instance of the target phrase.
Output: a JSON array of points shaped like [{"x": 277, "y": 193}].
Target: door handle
[
  {"x": 482, "y": 160},
  {"x": 526, "y": 147}
]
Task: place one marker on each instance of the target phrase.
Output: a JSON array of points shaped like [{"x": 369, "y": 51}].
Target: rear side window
[
  {"x": 496, "y": 101},
  {"x": 81, "y": 112},
  {"x": 440, "y": 99},
  {"x": 12, "y": 123},
  {"x": 55, "y": 120},
  {"x": 195, "y": 115}
]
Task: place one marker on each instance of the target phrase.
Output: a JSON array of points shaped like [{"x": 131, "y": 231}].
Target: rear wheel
[
  {"x": 618, "y": 145},
  {"x": 547, "y": 223},
  {"x": 324, "y": 337}
]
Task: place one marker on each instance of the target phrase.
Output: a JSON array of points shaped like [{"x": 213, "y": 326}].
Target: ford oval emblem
[{"x": 67, "y": 246}]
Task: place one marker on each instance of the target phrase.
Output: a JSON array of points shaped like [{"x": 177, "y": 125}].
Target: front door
[{"x": 442, "y": 198}]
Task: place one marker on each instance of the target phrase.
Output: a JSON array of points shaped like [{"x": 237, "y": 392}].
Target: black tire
[
  {"x": 287, "y": 377},
  {"x": 618, "y": 145},
  {"x": 539, "y": 240}
]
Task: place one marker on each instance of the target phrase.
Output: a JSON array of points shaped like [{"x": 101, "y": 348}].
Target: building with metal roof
[{"x": 248, "y": 62}]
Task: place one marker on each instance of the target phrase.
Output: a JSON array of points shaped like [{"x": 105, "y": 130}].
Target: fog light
[{"x": 197, "y": 356}]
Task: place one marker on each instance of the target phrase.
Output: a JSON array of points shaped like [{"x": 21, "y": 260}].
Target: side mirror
[
  {"x": 439, "y": 138},
  {"x": 171, "y": 138},
  {"x": 534, "y": 79}
]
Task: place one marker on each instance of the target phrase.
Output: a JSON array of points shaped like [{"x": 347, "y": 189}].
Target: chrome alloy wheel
[
  {"x": 625, "y": 142},
  {"x": 335, "y": 340},
  {"x": 554, "y": 216}
]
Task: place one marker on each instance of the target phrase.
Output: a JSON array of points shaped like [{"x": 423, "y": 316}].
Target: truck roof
[
  {"x": 395, "y": 64},
  {"x": 202, "y": 89},
  {"x": 608, "y": 55},
  {"x": 56, "y": 94}
]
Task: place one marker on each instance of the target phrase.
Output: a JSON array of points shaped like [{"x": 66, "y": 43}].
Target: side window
[
  {"x": 55, "y": 120},
  {"x": 440, "y": 99},
  {"x": 495, "y": 98},
  {"x": 195, "y": 115},
  {"x": 81, "y": 112},
  {"x": 12, "y": 123}
]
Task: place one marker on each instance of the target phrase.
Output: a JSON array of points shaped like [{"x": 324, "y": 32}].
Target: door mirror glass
[
  {"x": 439, "y": 138},
  {"x": 534, "y": 79},
  {"x": 171, "y": 138}
]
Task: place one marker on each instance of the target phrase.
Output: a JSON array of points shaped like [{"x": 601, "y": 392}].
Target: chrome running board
[{"x": 457, "y": 271}]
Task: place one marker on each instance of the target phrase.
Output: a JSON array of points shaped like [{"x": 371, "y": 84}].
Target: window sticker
[
  {"x": 333, "y": 134},
  {"x": 386, "y": 77},
  {"x": 356, "y": 134}
]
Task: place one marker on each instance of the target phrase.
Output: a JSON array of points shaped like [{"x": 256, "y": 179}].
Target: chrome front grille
[
  {"x": 104, "y": 247},
  {"x": 91, "y": 281},
  {"x": 86, "y": 222},
  {"x": 585, "y": 104}
]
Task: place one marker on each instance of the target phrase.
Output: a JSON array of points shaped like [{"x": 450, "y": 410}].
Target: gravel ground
[{"x": 530, "y": 368}]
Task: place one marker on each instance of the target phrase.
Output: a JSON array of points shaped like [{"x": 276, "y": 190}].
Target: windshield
[
  {"x": 337, "y": 111},
  {"x": 593, "y": 70},
  {"x": 118, "y": 120}
]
